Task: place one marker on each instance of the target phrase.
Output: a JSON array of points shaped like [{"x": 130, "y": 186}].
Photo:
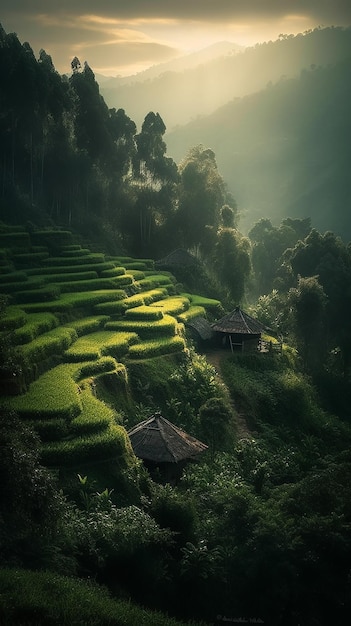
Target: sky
[{"x": 123, "y": 37}]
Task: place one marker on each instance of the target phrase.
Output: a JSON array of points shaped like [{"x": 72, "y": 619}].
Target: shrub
[{"x": 157, "y": 347}]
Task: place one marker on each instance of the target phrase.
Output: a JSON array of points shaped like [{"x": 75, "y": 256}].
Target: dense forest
[{"x": 95, "y": 338}]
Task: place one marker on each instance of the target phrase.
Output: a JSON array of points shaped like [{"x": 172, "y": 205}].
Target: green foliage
[
  {"x": 96, "y": 344},
  {"x": 88, "y": 324},
  {"x": 156, "y": 347},
  {"x": 120, "y": 305},
  {"x": 165, "y": 326},
  {"x": 54, "y": 394},
  {"x": 191, "y": 313},
  {"x": 68, "y": 301},
  {"x": 144, "y": 313},
  {"x": 14, "y": 317},
  {"x": 173, "y": 306},
  {"x": 48, "y": 344},
  {"x": 94, "y": 417},
  {"x": 35, "y": 324}
]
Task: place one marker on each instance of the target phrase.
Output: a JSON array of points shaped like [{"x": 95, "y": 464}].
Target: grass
[
  {"x": 193, "y": 311},
  {"x": 54, "y": 394},
  {"x": 173, "y": 306},
  {"x": 101, "y": 343},
  {"x": 144, "y": 313},
  {"x": 13, "y": 318},
  {"x": 157, "y": 347},
  {"x": 88, "y": 325},
  {"x": 71, "y": 301},
  {"x": 42, "y": 598},
  {"x": 35, "y": 324},
  {"x": 107, "y": 444},
  {"x": 54, "y": 342},
  {"x": 145, "y": 329}
]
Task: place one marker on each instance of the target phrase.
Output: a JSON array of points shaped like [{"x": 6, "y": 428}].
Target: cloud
[{"x": 142, "y": 32}]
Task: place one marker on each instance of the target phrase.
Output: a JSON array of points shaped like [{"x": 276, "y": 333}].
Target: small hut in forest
[
  {"x": 161, "y": 444},
  {"x": 238, "y": 331}
]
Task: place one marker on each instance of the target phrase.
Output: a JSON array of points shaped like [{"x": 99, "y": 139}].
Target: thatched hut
[
  {"x": 161, "y": 444},
  {"x": 238, "y": 331}
]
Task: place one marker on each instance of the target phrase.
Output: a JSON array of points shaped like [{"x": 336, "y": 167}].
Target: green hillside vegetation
[{"x": 114, "y": 262}]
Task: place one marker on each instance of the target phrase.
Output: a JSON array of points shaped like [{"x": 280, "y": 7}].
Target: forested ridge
[{"x": 95, "y": 337}]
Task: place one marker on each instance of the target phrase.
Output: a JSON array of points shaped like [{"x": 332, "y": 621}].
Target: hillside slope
[
  {"x": 284, "y": 151},
  {"x": 182, "y": 95}
]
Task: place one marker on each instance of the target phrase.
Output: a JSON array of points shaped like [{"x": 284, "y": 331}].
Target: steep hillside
[
  {"x": 182, "y": 95},
  {"x": 284, "y": 151}
]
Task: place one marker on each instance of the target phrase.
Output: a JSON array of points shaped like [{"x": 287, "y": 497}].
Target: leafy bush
[{"x": 157, "y": 347}]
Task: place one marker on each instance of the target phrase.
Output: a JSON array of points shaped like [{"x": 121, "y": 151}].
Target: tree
[
  {"x": 231, "y": 260},
  {"x": 308, "y": 301},
  {"x": 202, "y": 193}
]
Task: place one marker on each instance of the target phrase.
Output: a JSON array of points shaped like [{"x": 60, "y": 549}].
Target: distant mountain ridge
[
  {"x": 286, "y": 150},
  {"x": 181, "y": 96}
]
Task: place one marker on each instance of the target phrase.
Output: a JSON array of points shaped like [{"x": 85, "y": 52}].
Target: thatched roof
[
  {"x": 201, "y": 326},
  {"x": 179, "y": 257},
  {"x": 239, "y": 323},
  {"x": 158, "y": 440}
]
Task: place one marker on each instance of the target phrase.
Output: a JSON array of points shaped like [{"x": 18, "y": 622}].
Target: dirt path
[{"x": 215, "y": 357}]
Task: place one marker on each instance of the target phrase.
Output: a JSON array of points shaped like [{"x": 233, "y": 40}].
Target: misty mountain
[
  {"x": 284, "y": 151},
  {"x": 178, "y": 64},
  {"x": 182, "y": 96}
]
